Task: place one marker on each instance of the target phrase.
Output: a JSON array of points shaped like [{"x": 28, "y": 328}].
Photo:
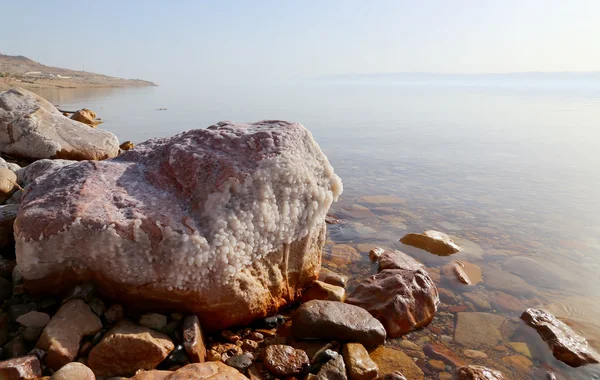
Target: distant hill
[{"x": 19, "y": 71}]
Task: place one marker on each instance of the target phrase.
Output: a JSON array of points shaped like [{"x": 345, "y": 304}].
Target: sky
[{"x": 221, "y": 41}]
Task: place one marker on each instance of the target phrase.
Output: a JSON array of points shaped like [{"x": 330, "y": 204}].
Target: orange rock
[
  {"x": 126, "y": 348},
  {"x": 61, "y": 337},
  {"x": 463, "y": 272},
  {"x": 389, "y": 361},
  {"x": 323, "y": 291},
  {"x": 86, "y": 116},
  {"x": 206, "y": 371},
  {"x": 434, "y": 242}
]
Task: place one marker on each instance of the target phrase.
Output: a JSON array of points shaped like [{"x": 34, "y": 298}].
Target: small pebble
[
  {"x": 240, "y": 362},
  {"x": 274, "y": 321}
]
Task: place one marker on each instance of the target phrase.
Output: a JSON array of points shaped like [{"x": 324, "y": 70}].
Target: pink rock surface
[{"x": 227, "y": 222}]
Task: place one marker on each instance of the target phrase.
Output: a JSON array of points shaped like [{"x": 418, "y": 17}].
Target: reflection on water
[{"x": 511, "y": 173}]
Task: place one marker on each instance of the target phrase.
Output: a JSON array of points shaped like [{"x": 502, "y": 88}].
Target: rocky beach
[{"x": 234, "y": 252}]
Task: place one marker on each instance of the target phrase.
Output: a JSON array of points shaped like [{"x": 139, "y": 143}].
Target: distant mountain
[{"x": 20, "y": 71}]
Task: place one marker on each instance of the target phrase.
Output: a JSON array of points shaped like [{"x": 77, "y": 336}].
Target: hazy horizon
[{"x": 267, "y": 41}]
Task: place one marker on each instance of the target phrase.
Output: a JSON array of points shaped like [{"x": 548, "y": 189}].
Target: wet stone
[
  {"x": 32, "y": 334},
  {"x": 397, "y": 375},
  {"x": 334, "y": 369},
  {"x": 323, "y": 291},
  {"x": 335, "y": 320},
  {"x": 566, "y": 345},
  {"x": 432, "y": 241},
  {"x": 193, "y": 339},
  {"x": 284, "y": 360},
  {"x": 240, "y": 362},
  {"x": 446, "y": 355},
  {"x": 436, "y": 365},
  {"x": 359, "y": 364},
  {"x": 478, "y": 329},
  {"x": 273, "y": 321},
  {"x": 477, "y": 372},
  {"x": 390, "y": 360},
  {"x": 177, "y": 356}
]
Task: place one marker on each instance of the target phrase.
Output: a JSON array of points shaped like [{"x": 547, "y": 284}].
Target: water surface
[{"x": 512, "y": 171}]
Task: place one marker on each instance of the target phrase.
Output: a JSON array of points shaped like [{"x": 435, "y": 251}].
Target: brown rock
[
  {"x": 74, "y": 371},
  {"x": 375, "y": 254},
  {"x": 436, "y": 365},
  {"x": 359, "y": 364},
  {"x": 172, "y": 248},
  {"x": 521, "y": 363},
  {"x": 332, "y": 278},
  {"x": 335, "y": 320},
  {"x": 206, "y": 371},
  {"x": 113, "y": 314},
  {"x": 151, "y": 375},
  {"x": 25, "y": 367},
  {"x": 86, "y": 116},
  {"x": 392, "y": 259},
  {"x": 127, "y": 145},
  {"x": 443, "y": 353},
  {"x": 462, "y": 272},
  {"x": 334, "y": 369},
  {"x": 126, "y": 348},
  {"x": 8, "y": 184},
  {"x": 403, "y": 300},
  {"x": 284, "y": 360},
  {"x": 323, "y": 291},
  {"x": 392, "y": 376},
  {"x": 34, "y": 319},
  {"x": 193, "y": 339},
  {"x": 477, "y": 372},
  {"x": 566, "y": 345},
  {"x": 390, "y": 360},
  {"x": 431, "y": 241},
  {"x": 61, "y": 337}
]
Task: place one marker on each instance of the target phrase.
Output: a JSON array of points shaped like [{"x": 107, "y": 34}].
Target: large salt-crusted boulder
[
  {"x": 227, "y": 222},
  {"x": 32, "y": 128}
]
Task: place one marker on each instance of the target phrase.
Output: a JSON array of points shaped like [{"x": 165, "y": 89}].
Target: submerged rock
[
  {"x": 31, "y": 128},
  {"x": 227, "y": 223},
  {"x": 477, "y": 372},
  {"x": 478, "y": 329},
  {"x": 323, "y": 291},
  {"x": 391, "y": 360},
  {"x": 336, "y": 320},
  {"x": 566, "y": 345},
  {"x": 463, "y": 272},
  {"x": 403, "y": 298},
  {"x": 333, "y": 278},
  {"x": 431, "y": 241}
]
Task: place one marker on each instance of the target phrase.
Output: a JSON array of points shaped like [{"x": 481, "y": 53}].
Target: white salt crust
[{"x": 281, "y": 201}]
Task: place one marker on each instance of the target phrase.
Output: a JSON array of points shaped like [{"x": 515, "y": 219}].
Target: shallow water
[{"x": 511, "y": 171}]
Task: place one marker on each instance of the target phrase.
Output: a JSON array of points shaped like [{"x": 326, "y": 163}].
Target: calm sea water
[{"x": 513, "y": 171}]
